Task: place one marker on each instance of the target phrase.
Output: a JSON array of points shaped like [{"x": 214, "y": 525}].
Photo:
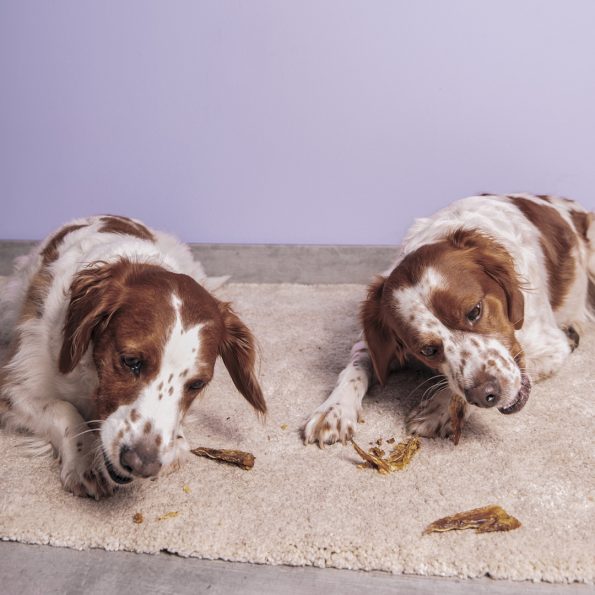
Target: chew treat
[
  {"x": 398, "y": 458},
  {"x": 372, "y": 460},
  {"x": 402, "y": 453},
  {"x": 377, "y": 452},
  {"x": 245, "y": 460},
  {"x": 457, "y": 416},
  {"x": 483, "y": 520}
]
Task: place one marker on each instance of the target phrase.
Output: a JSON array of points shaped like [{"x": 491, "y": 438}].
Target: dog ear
[
  {"x": 503, "y": 273},
  {"x": 238, "y": 352},
  {"x": 94, "y": 298},
  {"x": 497, "y": 263},
  {"x": 381, "y": 340}
]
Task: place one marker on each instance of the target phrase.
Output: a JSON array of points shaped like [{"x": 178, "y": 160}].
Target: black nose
[
  {"x": 141, "y": 459},
  {"x": 485, "y": 394}
]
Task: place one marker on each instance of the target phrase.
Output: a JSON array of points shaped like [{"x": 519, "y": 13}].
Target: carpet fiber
[{"x": 306, "y": 506}]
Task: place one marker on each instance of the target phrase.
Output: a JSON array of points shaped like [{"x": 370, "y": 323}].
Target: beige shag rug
[{"x": 306, "y": 506}]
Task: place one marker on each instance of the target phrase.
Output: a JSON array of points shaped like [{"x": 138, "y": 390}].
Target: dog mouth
[
  {"x": 114, "y": 475},
  {"x": 521, "y": 398}
]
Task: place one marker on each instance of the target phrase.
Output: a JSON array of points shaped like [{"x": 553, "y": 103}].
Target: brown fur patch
[
  {"x": 134, "y": 415},
  {"x": 557, "y": 241},
  {"x": 41, "y": 282},
  {"x": 148, "y": 427},
  {"x": 125, "y": 226},
  {"x": 50, "y": 252},
  {"x": 582, "y": 221},
  {"x": 37, "y": 293}
]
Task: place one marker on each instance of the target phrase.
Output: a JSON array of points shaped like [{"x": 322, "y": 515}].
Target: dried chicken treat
[
  {"x": 483, "y": 520},
  {"x": 372, "y": 460},
  {"x": 245, "y": 460},
  {"x": 457, "y": 416},
  {"x": 377, "y": 452},
  {"x": 402, "y": 453},
  {"x": 398, "y": 458},
  {"x": 138, "y": 518}
]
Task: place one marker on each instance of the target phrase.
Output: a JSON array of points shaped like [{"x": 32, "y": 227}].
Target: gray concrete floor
[
  {"x": 268, "y": 263},
  {"x": 26, "y": 569}
]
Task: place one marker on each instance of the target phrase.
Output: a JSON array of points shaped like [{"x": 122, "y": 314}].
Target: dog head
[
  {"x": 155, "y": 337},
  {"x": 454, "y": 305}
]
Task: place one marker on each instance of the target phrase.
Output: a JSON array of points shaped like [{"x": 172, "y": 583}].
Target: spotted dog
[{"x": 490, "y": 292}]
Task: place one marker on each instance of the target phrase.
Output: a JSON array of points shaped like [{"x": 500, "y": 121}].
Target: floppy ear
[
  {"x": 497, "y": 264},
  {"x": 507, "y": 279},
  {"x": 238, "y": 353},
  {"x": 381, "y": 341},
  {"x": 94, "y": 299}
]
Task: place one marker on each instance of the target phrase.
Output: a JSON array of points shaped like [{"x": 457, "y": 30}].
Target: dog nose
[
  {"x": 486, "y": 394},
  {"x": 141, "y": 459}
]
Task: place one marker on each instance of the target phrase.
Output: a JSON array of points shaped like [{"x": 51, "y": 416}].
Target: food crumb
[
  {"x": 187, "y": 489},
  {"x": 284, "y": 426},
  {"x": 168, "y": 515},
  {"x": 138, "y": 518}
]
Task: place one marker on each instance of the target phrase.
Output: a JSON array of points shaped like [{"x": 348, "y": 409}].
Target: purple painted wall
[{"x": 286, "y": 122}]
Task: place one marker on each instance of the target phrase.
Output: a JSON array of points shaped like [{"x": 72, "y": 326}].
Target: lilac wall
[{"x": 289, "y": 121}]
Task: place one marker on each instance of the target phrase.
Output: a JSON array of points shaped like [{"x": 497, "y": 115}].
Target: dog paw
[
  {"x": 573, "y": 337},
  {"x": 331, "y": 423},
  {"x": 431, "y": 418},
  {"x": 84, "y": 479}
]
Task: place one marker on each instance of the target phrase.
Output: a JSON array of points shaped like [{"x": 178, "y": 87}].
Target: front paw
[
  {"x": 84, "y": 479},
  {"x": 431, "y": 418},
  {"x": 331, "y": 423}
]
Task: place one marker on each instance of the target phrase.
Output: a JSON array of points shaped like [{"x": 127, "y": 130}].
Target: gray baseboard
[{"x": 268, "y": 263}]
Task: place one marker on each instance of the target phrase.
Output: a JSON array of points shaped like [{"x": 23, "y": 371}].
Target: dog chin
[{"x": 521, "y": 398}]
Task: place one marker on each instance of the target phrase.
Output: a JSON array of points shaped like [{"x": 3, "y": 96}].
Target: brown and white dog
[
  {"x": 489, "y": 293},
  {"x": 111, "y": 338}
]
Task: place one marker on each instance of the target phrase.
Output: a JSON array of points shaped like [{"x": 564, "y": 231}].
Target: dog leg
[
  {"x": 337, "y": 417},
  {"x": 431, "y": 418},
  {"x": 546, "y": 349},
  {"x": 81, "y": 460}
]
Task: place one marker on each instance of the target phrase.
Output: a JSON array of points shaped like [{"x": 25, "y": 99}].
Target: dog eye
[
  {"x": 196, "y": 385},
  {"x": 429, "y": 350},
  {"x": 474, "y": 314},
  {"x": 133, "y": 363}
]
